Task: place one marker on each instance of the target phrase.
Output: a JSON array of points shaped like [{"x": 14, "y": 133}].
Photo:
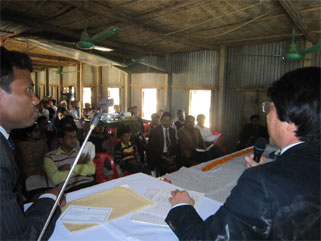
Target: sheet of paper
[
  {"x": 89, "y": 149},
  {"x": 206, "y": 149},
  {"x": 156, "y": 214},
  {"x": 82, "y": 214},
  {"x": 122, "y": 200}
]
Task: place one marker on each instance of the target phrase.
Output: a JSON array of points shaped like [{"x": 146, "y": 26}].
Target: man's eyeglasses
[{"x": 266, "y": 106}]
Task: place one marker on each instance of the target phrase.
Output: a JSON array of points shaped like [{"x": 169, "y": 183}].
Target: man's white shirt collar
[
  {"x": 290, "y": 146},
  {"x": 4, "y": 132}
]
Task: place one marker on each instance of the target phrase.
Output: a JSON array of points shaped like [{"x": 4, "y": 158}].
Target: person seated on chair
[
  {"x": 57, "y": 163},
  {"x": 207, "y": 135},
  {"x": 126, "y": 153},
  {"x": 180, "y": 121},
  {"x": 162, "y": 147},
  {"x": 251, "y": 132},
  {"x": 102, "y": 141},
  {"x": 30, "y": 151},
  {"x": 192, "y": 145},
  {"x": 45, "y": 133}
]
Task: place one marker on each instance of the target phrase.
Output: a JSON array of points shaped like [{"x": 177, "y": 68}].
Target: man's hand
[
  {"x": 249, "y": 162},
  {"x": 180, "y": 197},
  {"x": 84, "y": 158},
  {"x": 65, "y": 167},
  {"x": 55, "y": 191}
]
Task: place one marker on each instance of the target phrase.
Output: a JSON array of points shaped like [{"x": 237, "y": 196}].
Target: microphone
[{"x": 259, "y": 147}]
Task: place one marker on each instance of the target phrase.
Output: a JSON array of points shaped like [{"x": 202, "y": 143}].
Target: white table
[
  {"x": 216, "y": 183},
  {"x": 124, "y": 228}
]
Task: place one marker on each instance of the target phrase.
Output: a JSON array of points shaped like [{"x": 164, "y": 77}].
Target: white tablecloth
[
  {"x": 124, "y": 228},
  {"x": 216, "y": 183}
]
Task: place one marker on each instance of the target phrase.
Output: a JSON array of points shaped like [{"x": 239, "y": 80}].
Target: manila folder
[{"x": 122, "y": 200}]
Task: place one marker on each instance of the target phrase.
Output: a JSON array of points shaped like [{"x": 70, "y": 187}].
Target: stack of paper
[{"x": 157, "y": 213}]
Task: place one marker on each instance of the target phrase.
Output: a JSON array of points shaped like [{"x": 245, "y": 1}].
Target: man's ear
[{"x": 292, "y": 127}]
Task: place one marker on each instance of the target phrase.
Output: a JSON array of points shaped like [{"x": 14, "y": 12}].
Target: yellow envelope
[{"x": 122, "y": 200}]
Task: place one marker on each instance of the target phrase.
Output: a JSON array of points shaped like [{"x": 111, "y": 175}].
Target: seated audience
[
  {"x": 41, "y": 110},
  {"x": 205, "y": 132},
  {"x": 45, "y": 134},
  {"x": 180, "y": 121},
  {"x": 251, "y": 132},
  {"x": 47, "y": 103},
  {"x": 87, "y": 107},
  {"x": 117, "y": 111},
  {"x": 162, "y": 147},
  {"x": 207, "y": 135},
  {"x": 155, "y": 120},
  {"x": 192, "y": 145},
  {"x": 56, "y": 121},
  {"x": 68, "y": 121},
  {"x": 57, "y": 163},
  {"x": 160, "y": 112},
  {"x": 29, "y": 155},
  {"x": 126, "y": 153},
  {"x": 30, "y": 152},
  {"x": 75, "y": 110},
  {"x": 270, "y": 201},
  {"x": 102, "y": 141},
  {"x": 92, "y": 113}
]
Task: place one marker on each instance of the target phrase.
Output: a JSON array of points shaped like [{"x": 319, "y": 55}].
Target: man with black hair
[
  {"x": 251, "y": 132},
  {"x": 17, "y": 106},
  {"x": 279, "y": 200},
  {"x": 57, "y": 163},
  {"x": 162, "y": 147}
]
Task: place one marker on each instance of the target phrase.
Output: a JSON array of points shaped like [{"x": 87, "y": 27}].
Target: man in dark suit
[
  {"x": 279, "y": 200},
  {"x": 17, "y": 105},
  {"x": 162, "y": 147}
]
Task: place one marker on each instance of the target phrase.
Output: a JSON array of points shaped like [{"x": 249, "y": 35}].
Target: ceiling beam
[
  {"x": 33, "y": 23},
  {"x": 52, "y": 57},
  {"x": 105, "y": 10},
  {"x": 296, "y": 19}
]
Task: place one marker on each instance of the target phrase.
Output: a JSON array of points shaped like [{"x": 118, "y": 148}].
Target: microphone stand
[{"x": 93, "y": 124}]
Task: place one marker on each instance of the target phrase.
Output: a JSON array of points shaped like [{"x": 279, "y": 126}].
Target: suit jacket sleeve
[
  {"x": 15, "y": 224},
  {"x": 244, "y": 216}
]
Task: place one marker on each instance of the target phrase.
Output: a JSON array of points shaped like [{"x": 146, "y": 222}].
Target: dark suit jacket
[
  {"x": 15, "y": 224},
  {"x": 278, "y": 200},
  {"x": 156, "y": 142}
]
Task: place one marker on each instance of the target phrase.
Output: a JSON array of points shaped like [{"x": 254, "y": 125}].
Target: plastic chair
[
  {"x": 222, "y": 140},
  {"x": 99, "y": 161}
]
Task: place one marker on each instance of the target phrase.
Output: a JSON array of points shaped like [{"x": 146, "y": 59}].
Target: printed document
[
  {"x": 83, "y": 214},
  {"x": 157, "y": 213}
]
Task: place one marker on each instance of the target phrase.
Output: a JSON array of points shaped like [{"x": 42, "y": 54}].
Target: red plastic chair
[
  {"x": 222, "y": 140},
  {"x": 99, "y": 161}
]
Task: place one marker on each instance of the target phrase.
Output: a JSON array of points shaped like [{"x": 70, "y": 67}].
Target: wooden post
[
  {"x": 308, "y": 57},
  {"x": 169, "y": 78},
  {"x": 98, "y": 85},
  {"x": 221, "y": 88},
  {"x": 81, "y": 81},
  {"x": 78, "y": 84},
  {"x": 47, "y": 83},
  {"x": 166, "y": 104},
  {"x": 61, "y": 85}
]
